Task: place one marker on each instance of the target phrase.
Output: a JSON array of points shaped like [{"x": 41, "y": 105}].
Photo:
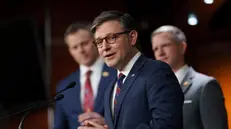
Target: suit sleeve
[
  {"x": 212, "y": 107},
  {"x": 60, "y": 121},
  {"x": 165, "y": 99}
]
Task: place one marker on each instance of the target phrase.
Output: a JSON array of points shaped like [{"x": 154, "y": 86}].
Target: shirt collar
[
  {"x": 130, "y": 64},
  {"x": 95, "y": 67},
  {"x": 180, "y": 74}
]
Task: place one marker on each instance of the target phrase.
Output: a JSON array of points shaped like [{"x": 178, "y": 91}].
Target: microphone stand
[
  {"x": 28, "y": 110},
  {"x": 23, "y": 119}
]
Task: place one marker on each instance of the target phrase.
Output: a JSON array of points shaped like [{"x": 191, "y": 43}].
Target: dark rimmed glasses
[{"x": 110, "y": 39}]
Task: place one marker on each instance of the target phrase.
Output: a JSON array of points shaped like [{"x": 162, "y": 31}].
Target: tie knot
[
  {"x": 88, "y": 73},
  {"x": 121, "y": 77}
]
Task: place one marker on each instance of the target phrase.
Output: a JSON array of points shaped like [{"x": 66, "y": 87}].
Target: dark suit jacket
[
  {"x": 150, "y": 98},
  {"x": 204, "y": 102},
  {"x": 68, "y": 109}
]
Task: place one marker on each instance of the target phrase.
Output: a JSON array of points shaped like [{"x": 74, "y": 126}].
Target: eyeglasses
[{"x": 110, "y": 39}]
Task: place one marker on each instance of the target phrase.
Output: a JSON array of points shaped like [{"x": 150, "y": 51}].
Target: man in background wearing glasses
[{"x": 146, "y": 93}]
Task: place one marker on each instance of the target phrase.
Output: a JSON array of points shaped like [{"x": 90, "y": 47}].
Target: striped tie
[{"x": 119, "y": 86}]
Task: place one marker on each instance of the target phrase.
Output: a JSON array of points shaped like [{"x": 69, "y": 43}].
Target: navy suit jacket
[
  {"x": 150, "y": 98},
  {"x": 68, "y": 109}
]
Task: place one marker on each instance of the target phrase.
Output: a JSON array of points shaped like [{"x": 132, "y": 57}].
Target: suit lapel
[
  {"x": 107, "y": 108},
  {"x": 77, "y": 90},
  {"x": 128, "y": 83},
  {"x": 187, "y": 81},
  {"x": 104, "y": 82}
]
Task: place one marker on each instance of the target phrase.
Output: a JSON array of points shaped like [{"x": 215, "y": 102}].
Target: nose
[
  {"x": 80, "y": 49},
  {"x": 105, "y": 45},
  {"x": 160, "y": 52}
]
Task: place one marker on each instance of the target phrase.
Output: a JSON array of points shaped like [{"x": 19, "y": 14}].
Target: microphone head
[
  {"x": 59, "y": 97},
  {"x": 71, "y": 85}
]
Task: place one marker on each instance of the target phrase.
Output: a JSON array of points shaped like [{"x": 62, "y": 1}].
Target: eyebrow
[{"x": 104, "y": 36}]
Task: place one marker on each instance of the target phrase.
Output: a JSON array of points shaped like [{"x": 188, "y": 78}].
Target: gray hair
[{"x": 177, "y": 34}]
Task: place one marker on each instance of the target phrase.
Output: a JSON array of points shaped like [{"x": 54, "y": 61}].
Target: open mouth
[{"x": 109, "y": 55}]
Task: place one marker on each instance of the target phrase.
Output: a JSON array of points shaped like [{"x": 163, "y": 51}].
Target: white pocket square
[{"x": 188, "y": 101}]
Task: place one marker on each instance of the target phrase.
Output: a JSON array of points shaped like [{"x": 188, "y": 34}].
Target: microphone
[
  {"x": 70, "y": 85},
  {"x": 57, "y": 98},
  {"x": 27, "y": 111}
]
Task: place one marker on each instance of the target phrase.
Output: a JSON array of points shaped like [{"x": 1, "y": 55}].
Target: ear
[
  {"x": 69, "y": 50},
  {"x": 183, "y": 48},
  {"x": 133, "y": 37}
]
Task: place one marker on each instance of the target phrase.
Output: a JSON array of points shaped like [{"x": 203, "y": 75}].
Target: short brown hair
[
  {"x": 125, "y": 19},
  {"x": 74, "y": 27}
]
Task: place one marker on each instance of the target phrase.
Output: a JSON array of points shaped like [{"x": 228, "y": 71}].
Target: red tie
[{"x": 88, "y": 94}]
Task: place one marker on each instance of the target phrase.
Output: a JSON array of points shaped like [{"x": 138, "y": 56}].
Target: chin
[
  {"x": 165, "y": 61},
  {"x": 87, "y": 63},
  {"x": 110, "y": 64}
]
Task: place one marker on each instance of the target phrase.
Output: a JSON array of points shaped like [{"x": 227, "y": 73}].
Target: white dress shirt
[
  {"x": 96, "y": 69},
  {"x": 125, "y": 71},
  {"x": 181, "y": 73}
]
